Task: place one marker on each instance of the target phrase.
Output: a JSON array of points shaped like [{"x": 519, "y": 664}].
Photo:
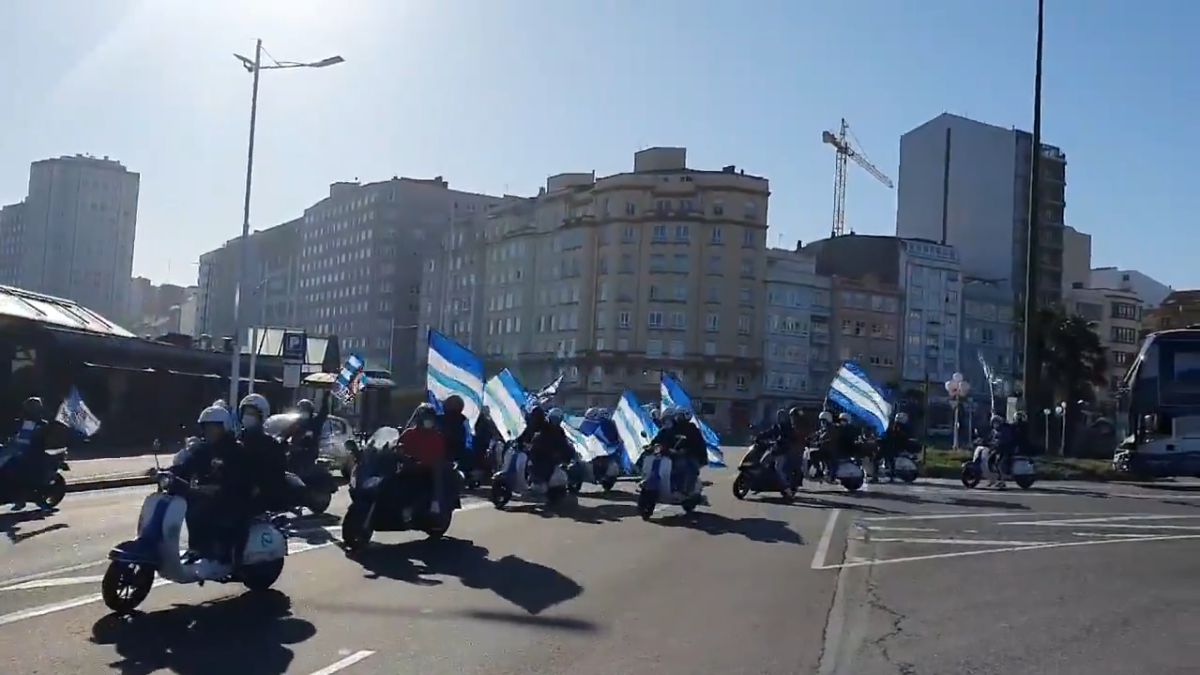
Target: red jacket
[{"x": 424, "y": 445}]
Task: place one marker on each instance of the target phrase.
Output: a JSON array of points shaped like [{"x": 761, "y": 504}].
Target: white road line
[
  {"x": 818, "y": 561},
  {"x": 52, "y": 583},
  {"x": 938, "y": 516},
  {"x": 955, "y": 542},
  {"x": 1124, "y": 526},
  {"x": 34, "y": 612},
  {"x": 49, "y": 573},
  {"x": 1111, "y": 534},
  {"x": 344, "y": 663},
  {"x": 882, "y": 528},
  {"x": 1007, "y": 549},
  {"x": 1104, "y": 519}
]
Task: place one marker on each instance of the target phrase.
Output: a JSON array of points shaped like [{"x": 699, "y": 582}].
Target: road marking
[
  {"x": 52, "y": 583},
  {"x": 49, "y": 573},
  {"x": 1008, "y": 549},
  {"x": 1111, "y": 534},
  {"x": 34, "y": 612},
  {"x": 1095, "y": 522},
  {"x": 882, "y": 528},
  {"x": 818, "y": 561},
  {"x": 344, "y": 663},
  {"x": 938, "y": 516},
  {"x": 956, "y": 542}
]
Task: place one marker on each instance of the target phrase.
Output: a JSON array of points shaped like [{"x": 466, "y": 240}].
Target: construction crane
[{"x": 845, "y": 151}]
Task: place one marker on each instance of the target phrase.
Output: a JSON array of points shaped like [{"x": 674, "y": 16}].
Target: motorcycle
[
  {"x": 311, "y": 487},
  {"x": 904, "y": 467},
  {"x": 603, "y": 471},
  {"x": 481, "y": 467},
  {"x": 759, "y": 472},
  {"x": 513, "y": 478},
  {"x": 850, "y": 474},
  {"x": 983, "y": 464},
  {"x": 658, "y": 488},
  {"x": 49, "y": 490},
  {"x": 379, "y": 504},
  {"x": 134, "y": 564}
]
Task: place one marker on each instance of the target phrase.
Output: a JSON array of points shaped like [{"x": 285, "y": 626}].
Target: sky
[{"x": 495, "y": 96}]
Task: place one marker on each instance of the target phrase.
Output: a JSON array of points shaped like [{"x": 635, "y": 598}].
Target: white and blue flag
[
  {"x": 545, "y": 395},
  {"x": 586, "y": 447},
  {"x": 74, "y": 414},
  {"x": 504, "y": 397},
  {"x": 674, "y": 396},
  {"x": 454, "y": 369},
  {"x": 634, "y": 425},
  {"x": 860, "y": 397}
]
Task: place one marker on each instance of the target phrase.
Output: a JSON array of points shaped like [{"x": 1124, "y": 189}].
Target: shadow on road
[
  {"x": 531, "y": 586},
  {"x": 426, "y": 614},
  {"x": 311, "y": 528},
  {"x": 11, "y": 524},
  {"x": 242, "y": 634},
  {"x": 971, "y": 503},
  {"x": 807, "y": 499},
  {"x": 762, "y": 530}
]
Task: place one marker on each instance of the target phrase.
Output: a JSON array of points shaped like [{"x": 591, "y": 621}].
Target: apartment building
[
  {"x": 614, "y": 280},
  {"x": 966, "y": 184},
  {"x": 363, "y": 251},
  {"x": 1150, "y": 291},
  {"x": 77, "y": 231},
  {"x": 796, "y": 356},
  {"x": 989, "y": 331},
  {"x": 270, "y": 292},
  {"x": 12, "y": 236},
  {"x": 1116, "y": 316},
  {"x": 866, "y": 318}
]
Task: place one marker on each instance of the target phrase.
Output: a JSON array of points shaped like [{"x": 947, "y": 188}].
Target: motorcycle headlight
[{"x": 164, "y": 481}]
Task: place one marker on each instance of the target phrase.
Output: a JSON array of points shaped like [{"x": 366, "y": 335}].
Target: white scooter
[
  {"x": 904, "y": 467},
  {"x": 512, "y": 478},
  {"x": 983, "y": 465},
  {"x": 657, "y": 487},
  {"x": 156, "y": 549}
]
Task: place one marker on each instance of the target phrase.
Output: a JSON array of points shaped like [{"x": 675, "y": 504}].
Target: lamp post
[
  {"x": 957, "y": 389},
  {"x": 254, "y": 67},
  {"x": 1046, "y": 412},
  {"x": 392, "y": 343},
  {"x": 1060, "y": 411}
]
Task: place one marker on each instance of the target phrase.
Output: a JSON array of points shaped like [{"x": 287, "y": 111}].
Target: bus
[{"x": 1159, "y": 407}]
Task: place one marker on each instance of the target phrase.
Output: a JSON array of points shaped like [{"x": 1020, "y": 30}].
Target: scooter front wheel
[
  {"x": 608, "y": 484},
  {"x": 51, "y": 494},
  {"x": 261, "y": 576},
  {"x": 647, "y": 500},
  {"x": 501, "y": 494},
  {"x": 741, "y": 486},
  {"x": 125, "y": 586}
]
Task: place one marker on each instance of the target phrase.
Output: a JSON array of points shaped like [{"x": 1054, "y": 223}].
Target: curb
[{"x": 106, "y": 483}]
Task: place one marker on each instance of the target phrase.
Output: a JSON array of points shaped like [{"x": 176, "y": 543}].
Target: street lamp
[
  {"x": 254, "y": 67},
  {"x": 957, "y": 389},
  {"x": 392, "y": 342}
]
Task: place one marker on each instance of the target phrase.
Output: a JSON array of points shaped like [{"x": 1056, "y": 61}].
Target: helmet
[
  {"x": 781, "y": 416},
  {"x": 844, "y": 417},
  {"x": 33, "y": 407},
  {"x": 453, "y": 404},
  {"x": 604, "y": 413},
  {"x": 591, "y": 414},
  {"x": 682, "y": 415},
  {"x": 215, "y": 414},
  {"x": 901, "y": 418},
  {"x": 997, "y": 420},
  {"x": 655, "y": 415},
  {"x": 257, "y": 401},
  {"x": 796, "y": 412},
  {"x": 555, "y": 416},
  {"x": 826, "y": 417},
  {"x": 1021, "y": 416},
  {"x": 424, "y": 416},
  {"x": 305, "y": 406}
]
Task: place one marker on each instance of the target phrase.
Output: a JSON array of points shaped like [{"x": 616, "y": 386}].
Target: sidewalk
[{"x": 98, "y": 474}]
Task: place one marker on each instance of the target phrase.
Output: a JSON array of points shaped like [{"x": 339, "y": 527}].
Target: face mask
[
  {"x": 427, "y": 423},
  {"x": 213, "y": 432},
  {"x": 306, "y": 415},
  {"x": 250, "y": 421}
]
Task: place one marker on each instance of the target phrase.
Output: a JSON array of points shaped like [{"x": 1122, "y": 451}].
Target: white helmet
[
  {"x": 826, "y": 416},
  {"x": 592, "y": 414},
  {"x": 256, "y": 401},
  {"x": 902, "y": 418},
  {"x": 844, "y": 417},
  {"x": 215, "y": 414}
]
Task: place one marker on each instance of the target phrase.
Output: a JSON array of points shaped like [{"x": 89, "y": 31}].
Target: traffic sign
[{"x": 295, "y": 347}]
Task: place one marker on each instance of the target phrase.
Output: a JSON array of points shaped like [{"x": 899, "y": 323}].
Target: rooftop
[{"x": 22, "y": 304}]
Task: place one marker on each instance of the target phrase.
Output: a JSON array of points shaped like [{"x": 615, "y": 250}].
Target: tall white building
[
  {"x": 79, "y": 224},
  {"x": 966, "y": 184},
  {"x": 1149, "y": 290}
]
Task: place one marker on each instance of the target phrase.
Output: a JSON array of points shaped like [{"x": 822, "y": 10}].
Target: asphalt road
[{"x": 929, "y": 578}]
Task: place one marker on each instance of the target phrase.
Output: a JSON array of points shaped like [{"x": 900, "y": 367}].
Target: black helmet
[
  {"x": 453, "y": 404},
  {"x": 33, "y": 407},
  {"x": 781, "y": 416}
]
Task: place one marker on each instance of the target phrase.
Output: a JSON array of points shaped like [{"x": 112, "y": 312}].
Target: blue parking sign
[{"x": 295, "y": 347}]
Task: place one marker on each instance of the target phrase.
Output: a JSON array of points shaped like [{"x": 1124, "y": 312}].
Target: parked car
[{"x": 333, "y": 439}]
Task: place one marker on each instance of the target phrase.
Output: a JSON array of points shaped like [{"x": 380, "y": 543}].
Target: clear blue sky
[{"x": 496, "y": 95}]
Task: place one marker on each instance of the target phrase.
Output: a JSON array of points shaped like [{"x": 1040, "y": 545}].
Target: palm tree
[{"x": 1074, "y": 362}]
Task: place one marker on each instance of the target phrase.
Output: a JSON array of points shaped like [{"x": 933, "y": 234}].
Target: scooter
[
  {"x": 371, "y": 508},
  {"x": 311, "y": 487},
  {"x": 759, "y": 472},
  {"x": 850, "y": 474},
  {"x": 904, "y": 467},
  {"x": 482, "y": 467},
  {"x": 49, "y": 492},
  {"x": 603, "y": 471},
  {"x": 658, "y": 488},
  {"x": 513, "y": 479},
  {"x": 983, "y": 465},
  {"x": 134, "y": 564}
]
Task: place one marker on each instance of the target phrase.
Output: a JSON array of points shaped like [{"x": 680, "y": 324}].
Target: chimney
[{"x": 799, "y": 244}]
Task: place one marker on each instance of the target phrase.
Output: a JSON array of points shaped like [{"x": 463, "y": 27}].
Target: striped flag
[
  {"x": 854, "y": 391},
  {"x": 634, "y": 425},
  {"x": 454, "y": 369},
  {"x": 349, "y": 380},
  {"x": 674, "y": 396},
  {"x": 504, "y": 396}
]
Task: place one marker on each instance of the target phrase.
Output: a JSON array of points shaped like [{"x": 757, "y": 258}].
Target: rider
[
  {"x": 844, "y": 445},
  {"x": 535, "y": 421},
  {"x": 895, "y": 441},
  {"x": 425, "y": 445},
  {"x": 29, "y": 447},
  {"x": 217, "y": 461},
  {"x": 266, "y": 457},
  {"x": 781, "y": 438},
  {"x": 695, "y": 449},
  {"x": 550, "y": 447},
  {"x": 453, "y": 425},
  {"x": 485, "y": 433},
  {"x": 304, "y": 437}
]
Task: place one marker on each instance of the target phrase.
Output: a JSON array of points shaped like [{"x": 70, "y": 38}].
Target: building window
[
  {"x": 682, "y": 264},
  {"x": 741, "y": 382},
  {"x": 658, "y": 262},
  {"x": 744, "y": 296},
  {"x": 718, "y": 209},
  {"x": 712, "y": 322},
  {"x": 681, "y": 292},
  {"x": 682, "y": 232},
  {"x": 660, "y": 233},
  {"x": 744, "y": 324},
  {"x": 654, "y": 347},
  {"x": 654, "y": 319},
  {"x": 1126, "y": 336},
  {"x": 678, "y": 320},
  {"x": 710, "y": 348},
  {"x": 662, "y": 206},
  {"x": 748, "y": 268},
  {"x": 718, "y": 236},
  {"x": 748, "y": 238},
  {"x": 751, "y": 211},
  {"x": 654, "y": 294},
  {"x": 1124, "y": 310},
  {"x": 629, "y": 234},
  {"x": 714, "y": 294},
  {"x": 623, "y": 344},
  {"x": 630, "y": 209},
  {"x": 714, "y": 264},
  {"x": 626, "y": 264},
  {"x": 677, "y": 349},
  {"x": 623, "y": 319}
]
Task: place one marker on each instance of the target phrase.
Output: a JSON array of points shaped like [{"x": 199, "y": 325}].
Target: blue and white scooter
[
  {"x": 156, "y": 550},
  {"x": 513, "y": 479},
  {"x": 596, "y": 455},
  {"x": 657, "y": 486}
]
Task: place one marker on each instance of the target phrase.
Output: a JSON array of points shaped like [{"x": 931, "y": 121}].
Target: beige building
[
  {"x": 1115, "y": 314},
  {"x": 1180, "y": 309},
  {"x": 614, "y": 280}
]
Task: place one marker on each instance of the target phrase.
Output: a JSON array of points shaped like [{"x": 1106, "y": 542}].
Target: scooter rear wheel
[
  {"x": 51, "y": 494},
  {"x": 501, "y": 494},
  {"x": 608, "y": 484},
  {"x": 356, "y": 531},
  {"x": 319, "y": 500},
  {"x": 741, "y": 486},
  {"x": 646, "y": 503},
  {"x": 125, "y": 586}
]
